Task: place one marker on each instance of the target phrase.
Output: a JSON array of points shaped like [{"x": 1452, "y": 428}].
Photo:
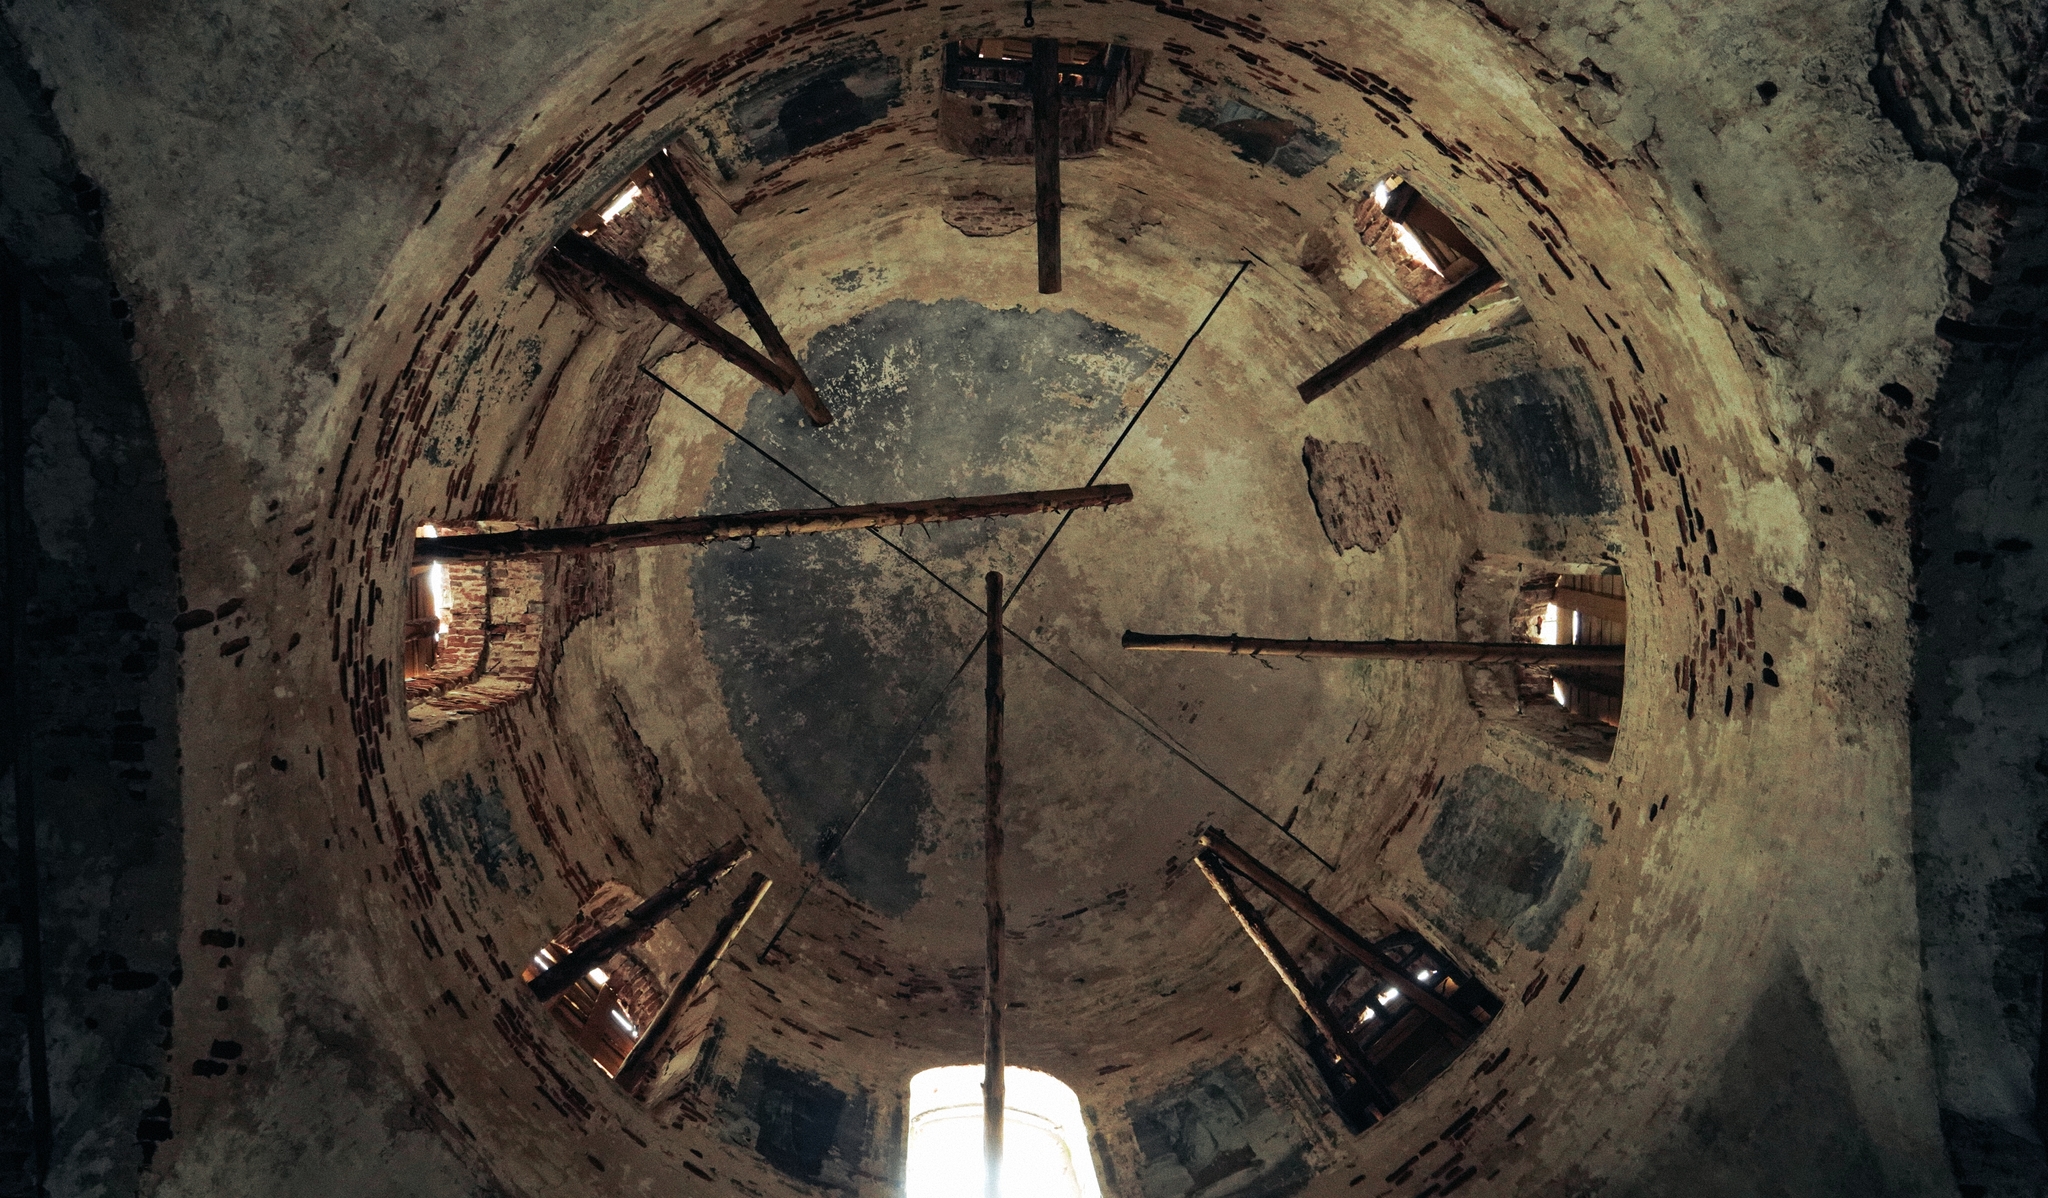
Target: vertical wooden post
[
  {"x": 1045, "y": 146},
  {"x": 1348, "y": 1057},
  {"x": 992, "y": 855}
]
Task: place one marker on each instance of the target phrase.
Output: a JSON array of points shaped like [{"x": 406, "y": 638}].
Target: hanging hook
[{"x": 1030, "y": 21}]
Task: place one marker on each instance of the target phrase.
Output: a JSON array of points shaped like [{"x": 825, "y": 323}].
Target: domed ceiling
[{"x": 1666, "y": 909}]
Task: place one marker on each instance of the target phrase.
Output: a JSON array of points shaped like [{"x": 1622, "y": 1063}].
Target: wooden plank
[
  {"x": 1348, "y": 1056},
  {"x": 639, "y": 922},
  {"x": 1399, "y": 333},
  {"x": 683, "y": 202},
  {"x": 635, "y": 285},
  {"x": 698, "y": 530},
  {"x": 1470, "y": 652},
  {"x": 1045, "y": 157},
  {"x": 992, "y": 1056},
  {"x": 1350, "y": 943},
  {"x": 1586, "y": 603},
  {"x": 633, "y": 1069}
]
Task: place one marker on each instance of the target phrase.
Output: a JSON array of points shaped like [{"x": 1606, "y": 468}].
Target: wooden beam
[
  {"x": 992, "y": 1057},
  {"x": 1350, "y": 943},
  {"x": 1350, "y": 1058},
  {"x": 1586, "y": 603},
  {"x": 1399, "y": 333},
  {"x": 1045, "y": 157},
  {"x": 683, "y": 202},
  {"x": 635, "y": 285},
  {"x": 639, "y": 1061},
  {"x": 1470, "y": 652},
  {"x": 697, "y": 530},
  {"x": 639, "y": 922}
]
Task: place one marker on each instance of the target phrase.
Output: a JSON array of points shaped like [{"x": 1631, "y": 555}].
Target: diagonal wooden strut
[
  {"x": 634, "y": 283},
  {"x": 641, "y": 1059},
  {"x": 1471, "y": 652},
  {"x": 1399, "y": 333},
  {"x": 697, "y": 530},
  {"x": 1045, "y": 157},
  {"x": 1349, "y": 1057},
  {"x": 1459, "y": 1025},
  {"x": 639, "y": 922},
  {"x": 992, "y": 1060},
  {"x": 683, "y": 202}
]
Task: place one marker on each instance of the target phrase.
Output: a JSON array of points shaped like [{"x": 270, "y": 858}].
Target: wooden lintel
[
  {"x": 639, "y": 1061},
  {"x": 1350, "y": 943},
  {"x": 1470, "y": 652},
  {"x": 1399, "y": 333},
  {"x": 697, "y": 530},
  {"x": 639, "y": 922},
  {"x": 1346, "y": 1051},
  {"x": 632, "y": 282},
  {"x": 683, "y": 202},
  {"x": 992, "y": 1055},
  {"x": 1045, "y": 157}
]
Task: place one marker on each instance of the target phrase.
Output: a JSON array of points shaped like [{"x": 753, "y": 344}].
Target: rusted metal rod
[
  {"x": 631, "y": 280},
  {"x": 992, "y": 1060},
  {"x": 639, "y": 922},
  {"x": 1470, "y": 652},
  {"x": 1348, "y": 942},
  {"x": 641, "y": 1059},
  {"x": 697, "y": 530},
  {"x": 1045, "y": 157},
  {"x": 1347, "y": 1053},
  {"x": 683, "y": 202},
  {"x": 1399, "y": 333}
]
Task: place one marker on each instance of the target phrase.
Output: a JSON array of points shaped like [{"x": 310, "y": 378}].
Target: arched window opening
[
  {"x": 1401, "y": 1043},
  {"x": 471, "y": 631},
  {"x": 1575, "y": 609},
  {"x": 1575, "y": 707},
  {"x": 985, "y": 102},
  {"x": 1425, "y": 249},
  {"x": 1427, "y": 254},
  {"x": 1045, "y": 1137},
  {"x": 608, "y": 1009}
]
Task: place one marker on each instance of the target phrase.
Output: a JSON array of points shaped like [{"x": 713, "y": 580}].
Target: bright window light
[
  {"x": 1547, "y": 631},
  {"x": 1389, "y": 995},
  {"x": 600, "y": 977},
  {"x": 437, "y": 586},
  {"x": 1557, "y": 692},
  {"x": 625, "y": 201},
  {"x": 1409, "y": 241},
  {"x": 1045, "y": 1141},
  {"x": 625, "y": 1023},
  {"x": 1575, "y": 627}
]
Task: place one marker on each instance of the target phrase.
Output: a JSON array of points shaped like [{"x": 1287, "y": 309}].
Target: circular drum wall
[{"x": 1724, "y": 902}]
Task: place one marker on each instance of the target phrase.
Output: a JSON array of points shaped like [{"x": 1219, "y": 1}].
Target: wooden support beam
[
  {"x": 639, "y": 922},
  {"x": 1347, "y": 1053},
  {"x": 630, "y": 280},
  {"x": 638, "y": 1062},
  {"x": 697, "y": 530},
  {"x": 1045, "y": 157},
  {"x": 1348, "y": 942},
  {"x": 683, "y": 202},
  {"x": 992, "y": 1058},
  {"x": 1399, "y": 333},
  {"x": 1471, "y": 652}
]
